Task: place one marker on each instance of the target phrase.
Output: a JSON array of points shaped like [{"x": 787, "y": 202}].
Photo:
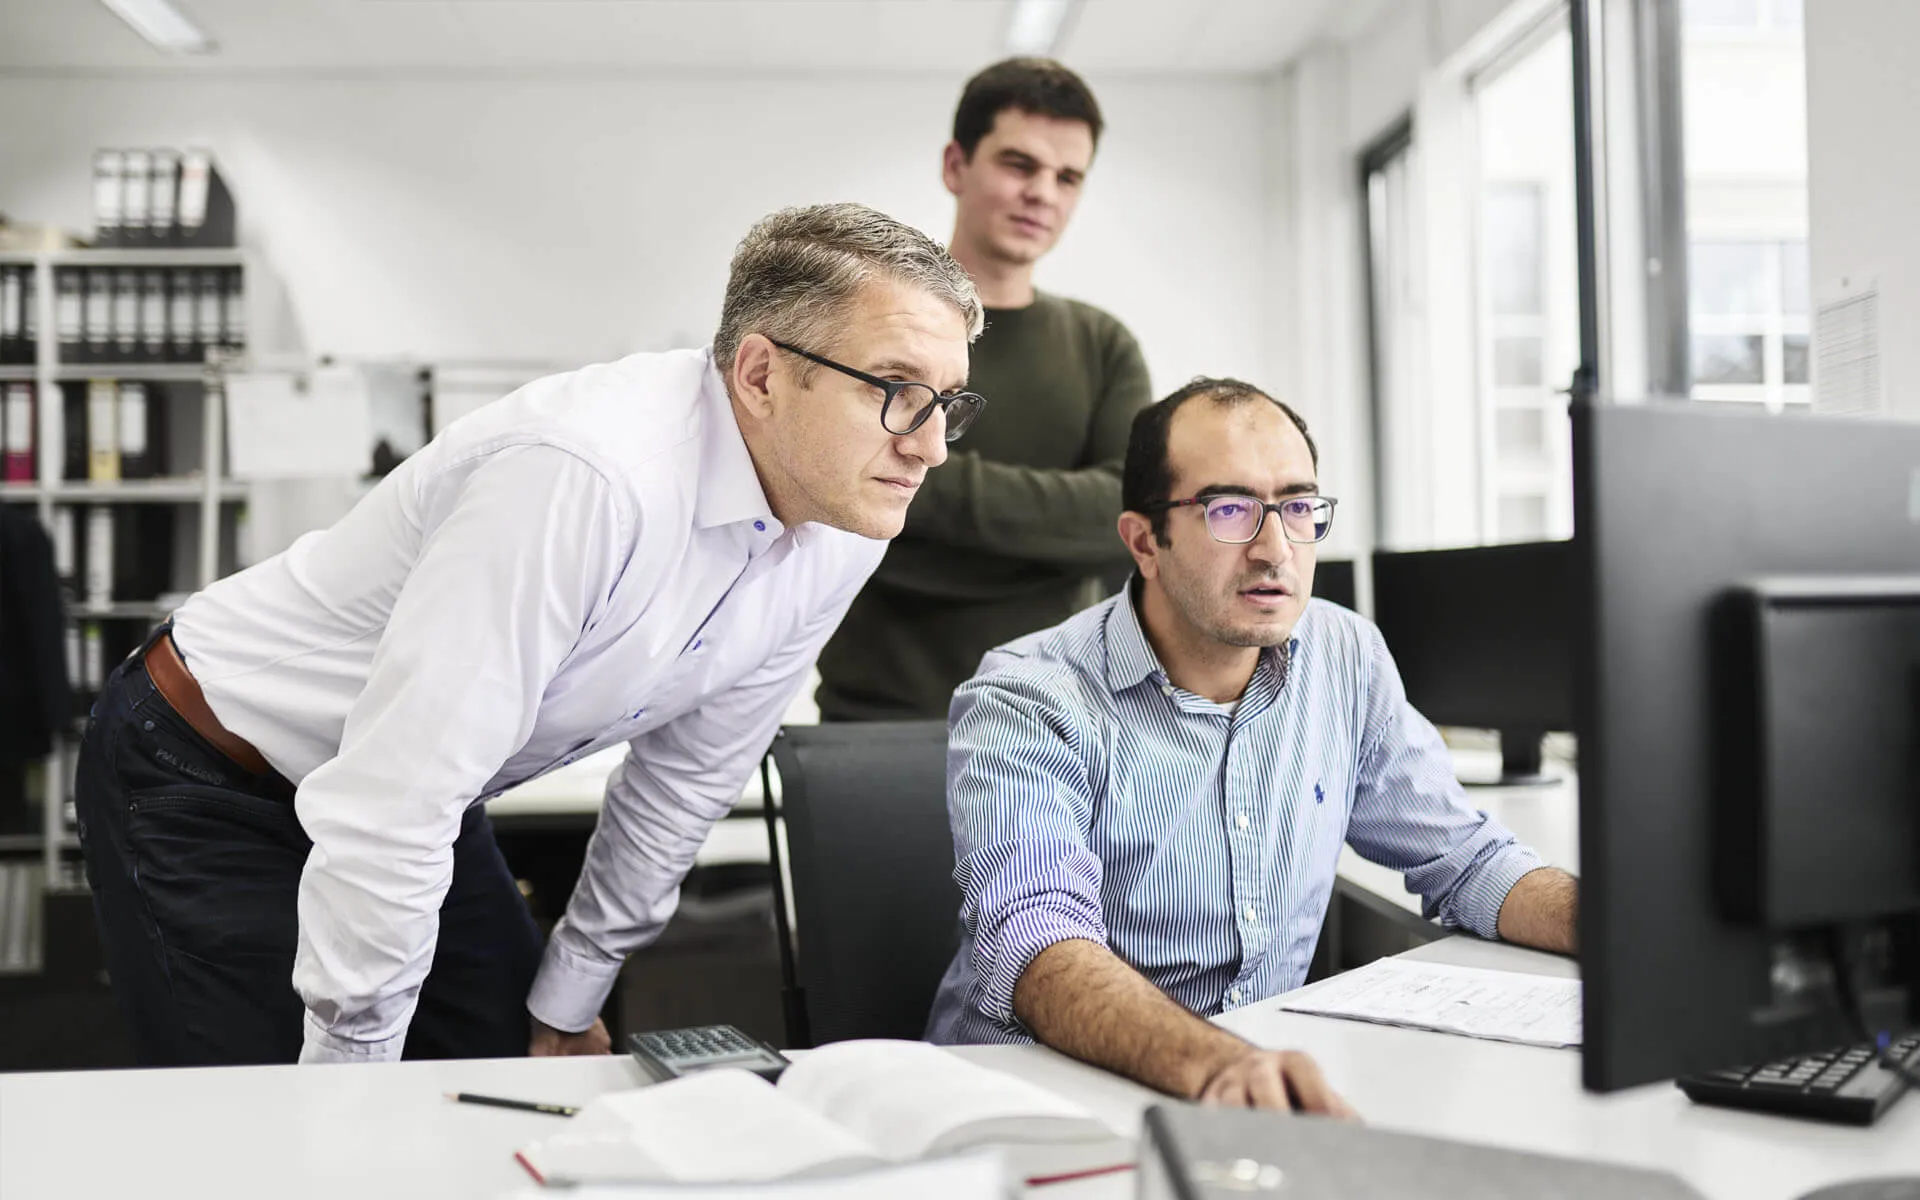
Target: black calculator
[{"x": 671, "y": 1053}]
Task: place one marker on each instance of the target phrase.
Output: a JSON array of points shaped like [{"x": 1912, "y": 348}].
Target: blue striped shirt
[{"x": 1093, "y": 799}]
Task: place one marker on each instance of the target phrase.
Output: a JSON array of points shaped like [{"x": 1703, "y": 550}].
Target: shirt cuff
[
  {"x": 1001, "y": 960},
  {"x": 571, "y": 987},
  {"x": 324, "y": 1047},
  {"x": 1482, "y": 896}
]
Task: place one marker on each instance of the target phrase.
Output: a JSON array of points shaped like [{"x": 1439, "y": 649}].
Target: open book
[{"x": 844, "y": 1107}]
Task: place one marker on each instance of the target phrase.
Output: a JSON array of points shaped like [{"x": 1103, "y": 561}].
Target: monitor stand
[
  {"x": 1520, "y": 761},
  {"x": 1906, "y": 1187}
]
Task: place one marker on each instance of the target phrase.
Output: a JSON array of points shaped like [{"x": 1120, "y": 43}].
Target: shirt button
[
  {"x": 1241, "y": 820},
  {"x": 1233, "y": 997},
  {"x": 1253, "y": 918},
  {"x": 760, "y": 525}
]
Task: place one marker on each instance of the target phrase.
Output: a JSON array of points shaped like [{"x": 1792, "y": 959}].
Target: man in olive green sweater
[{"x": 1015, "y": 531}]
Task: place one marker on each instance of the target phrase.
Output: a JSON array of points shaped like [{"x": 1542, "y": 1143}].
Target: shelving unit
[{"x": 208, "y": 501}]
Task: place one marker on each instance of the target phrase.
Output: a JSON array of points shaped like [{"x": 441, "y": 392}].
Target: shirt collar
[
  {"x": 1130, "y": 657},
  {"x": 730, "y": 490}
]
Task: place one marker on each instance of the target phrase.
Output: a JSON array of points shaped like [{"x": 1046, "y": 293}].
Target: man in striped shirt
[{"x": 1149, "y": 799}]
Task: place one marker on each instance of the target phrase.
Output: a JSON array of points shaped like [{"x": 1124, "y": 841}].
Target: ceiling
[{"x": 747, "y": 36}]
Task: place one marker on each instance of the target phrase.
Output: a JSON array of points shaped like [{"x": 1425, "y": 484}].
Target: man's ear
[
  {"x": 1136, "y": 530},
  {"x": 952, "y": 161},
  {"x": 752, "y": 375}
]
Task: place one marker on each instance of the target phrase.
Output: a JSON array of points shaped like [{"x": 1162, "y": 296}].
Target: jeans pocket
[{"x": 219, "y": 871}]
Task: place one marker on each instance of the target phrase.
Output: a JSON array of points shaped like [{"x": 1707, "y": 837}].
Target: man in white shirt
[{"x": 279, "y": 796}]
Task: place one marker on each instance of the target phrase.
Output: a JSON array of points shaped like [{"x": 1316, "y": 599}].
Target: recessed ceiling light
[
  {"x": 1038, "y": 26},
  {"x": 161, "y": 23}
]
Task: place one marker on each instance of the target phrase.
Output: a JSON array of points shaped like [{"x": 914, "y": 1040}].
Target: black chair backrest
[{"x": 870, "y": 852}]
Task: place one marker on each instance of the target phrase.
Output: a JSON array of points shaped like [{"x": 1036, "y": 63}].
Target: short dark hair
[
  {"x": 1148, "y": 477},
  {"x": 1039, "y": 86}
]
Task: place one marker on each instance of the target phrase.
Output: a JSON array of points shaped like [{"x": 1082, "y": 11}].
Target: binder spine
[
  {"x": 136, "y": 459},
  {"x": 109, "y": 168},
  {"x": 103, "y": 437},
  {"x": 13, "y": 314},
  {"x": 153, "y": 316},
  {"x": 136, "y": 185},
  {"x": 17, "y": 420},
  {"x": 70, "y": 312},
  {"x": 99, "y": 314},
  {"x": 163, "y": 198},
  {"x": 182, "y": 327},
  {"x": 99, "y": 556},
  {"x": 126, "y": 315}
]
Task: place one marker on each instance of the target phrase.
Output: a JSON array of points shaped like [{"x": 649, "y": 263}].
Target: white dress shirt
[{"x": 589, "y": 561}]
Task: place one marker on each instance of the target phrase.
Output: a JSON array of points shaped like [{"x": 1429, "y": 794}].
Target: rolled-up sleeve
[
  {"x": 660, "y": 806},
  {"x": 1409, "y": 813},
  {"x": 1020, "y": 801}
]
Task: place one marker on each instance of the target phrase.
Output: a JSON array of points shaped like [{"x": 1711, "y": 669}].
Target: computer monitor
[
  {"x": 1484, "y": 638},
  {"x": 1333, "y": 580},
  {"x": 1749, "y": 731}
]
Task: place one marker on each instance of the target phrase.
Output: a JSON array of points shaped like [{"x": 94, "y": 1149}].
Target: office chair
[{"x": 874, "y": 917}]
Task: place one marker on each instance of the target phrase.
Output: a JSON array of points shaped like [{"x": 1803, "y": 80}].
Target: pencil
[
  {"x": 558, "y": 1110},
  {"x": 1034, "y": 1181}
]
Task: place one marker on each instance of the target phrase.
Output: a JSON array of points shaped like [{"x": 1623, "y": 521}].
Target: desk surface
[
  {"x": 380, "y": 1130},
  {"x": 357, "y": 1131},
  {"x": 1531, "y": 1099}
]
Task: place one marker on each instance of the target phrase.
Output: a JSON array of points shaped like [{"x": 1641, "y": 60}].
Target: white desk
[
  {"x": 375, "y": 1131},
  {"x": 358, "y": 1132},
  {"x": 1531, "y": 1099},
  {"x": 576, "y": 791}
]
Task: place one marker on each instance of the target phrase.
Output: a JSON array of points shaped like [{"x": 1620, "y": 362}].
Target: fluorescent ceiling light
[
  {"x": 161, "y": 23},
  {"x": 1036, "y": 26}
]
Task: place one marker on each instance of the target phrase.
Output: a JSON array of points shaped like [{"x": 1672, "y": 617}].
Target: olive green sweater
[{"x": 1012, "y": 533}]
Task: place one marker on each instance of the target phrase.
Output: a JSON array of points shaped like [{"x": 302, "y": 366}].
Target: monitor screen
[
  {"x": 1708, "y": 863},
  {"x": 1483, "y": 637},
  {"x": 1333, "y": 580}
]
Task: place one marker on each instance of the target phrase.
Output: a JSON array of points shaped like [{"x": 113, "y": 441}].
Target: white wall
[
  {"x": 549, "y": 218},
  {"x": 1863, "y": 104}
]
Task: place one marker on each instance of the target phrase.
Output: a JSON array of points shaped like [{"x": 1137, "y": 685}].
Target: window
[
  {"x": 1743, "y": 101},
  {"x": 1473, "y": 301},
  {"x": 1528, "y": 309},
  {"x": 1395, "y": 336},
  {"x": 1748, "y": 315},
  {"x": 1785, "y": 15}
]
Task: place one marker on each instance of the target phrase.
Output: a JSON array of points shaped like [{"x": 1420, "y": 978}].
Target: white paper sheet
[
  {"x": 277, "y": 429},
  {"x": 1504, "y": 1006}
]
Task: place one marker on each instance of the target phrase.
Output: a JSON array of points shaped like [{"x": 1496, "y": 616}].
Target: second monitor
[{"x": 1484, "y": 638}]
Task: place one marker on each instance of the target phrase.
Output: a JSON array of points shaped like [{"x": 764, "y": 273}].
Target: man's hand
[
  {"x": 548, "y": 1042},
  {"x": 1283, "y": 1079}
]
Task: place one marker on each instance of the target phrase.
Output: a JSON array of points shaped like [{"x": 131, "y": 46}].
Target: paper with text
[{"x": 1505, "y": 1006}]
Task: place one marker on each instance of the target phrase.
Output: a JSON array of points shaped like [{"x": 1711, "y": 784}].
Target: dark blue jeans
[{"x": 195, "y": 868}]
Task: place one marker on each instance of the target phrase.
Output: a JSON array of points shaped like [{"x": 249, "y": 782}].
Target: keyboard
[{"x": 1848, "y": 1085}]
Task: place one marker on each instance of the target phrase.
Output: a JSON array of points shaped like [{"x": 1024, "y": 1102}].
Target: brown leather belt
[{"x": 178, "y": 687}]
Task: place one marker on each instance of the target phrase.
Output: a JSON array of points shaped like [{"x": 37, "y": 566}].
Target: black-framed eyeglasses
[
  {"x": 1237, "y": 520},
  {"x": 908, "y": 404}
]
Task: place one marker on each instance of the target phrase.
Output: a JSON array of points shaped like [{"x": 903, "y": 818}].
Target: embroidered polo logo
[{"x": 1319, "y": 794}]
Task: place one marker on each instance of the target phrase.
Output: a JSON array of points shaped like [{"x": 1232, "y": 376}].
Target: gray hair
[{"x": 797, "y": 271}]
